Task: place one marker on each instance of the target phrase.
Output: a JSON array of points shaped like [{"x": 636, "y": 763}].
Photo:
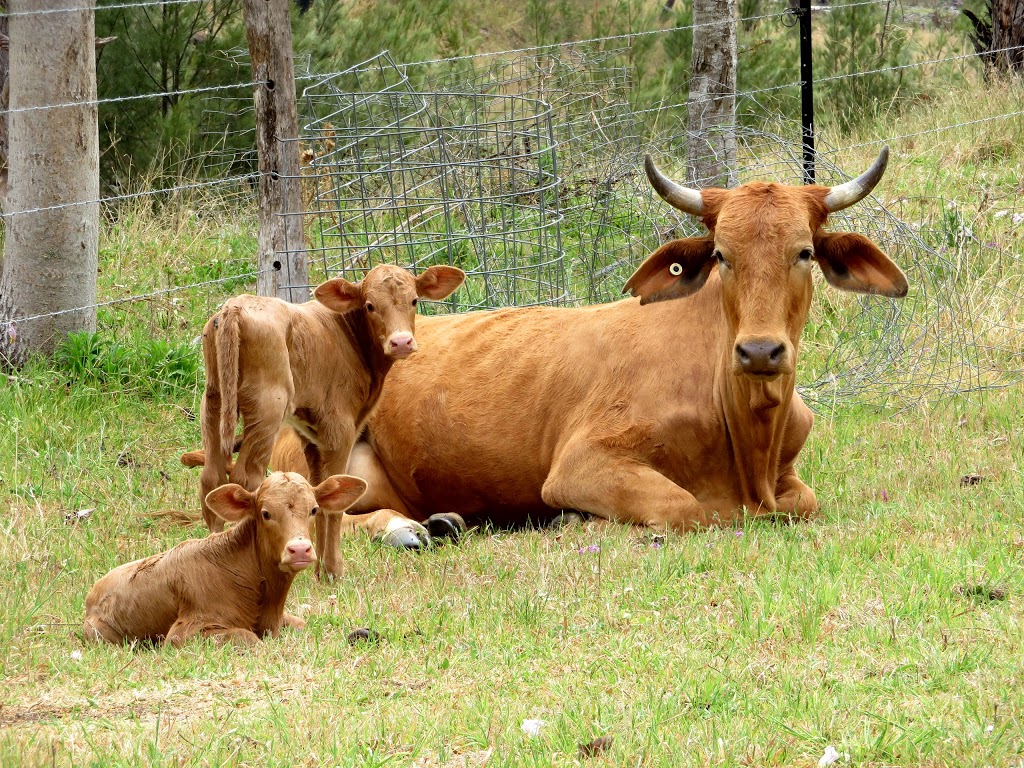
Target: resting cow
[
  {"x": 318, "y": 365},
  {"x": 231, "y": 585},
  {"x": 676, "y": 410}
]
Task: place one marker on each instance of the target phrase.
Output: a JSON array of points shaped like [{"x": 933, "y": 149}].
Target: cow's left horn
[
  {"x": 685, "y": 199},
  {"x": 854, "y": 191}
]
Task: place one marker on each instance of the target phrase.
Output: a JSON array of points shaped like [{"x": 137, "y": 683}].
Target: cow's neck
[
  {"x": 257, "y": 567},
  {"x": 756, "y": 414},
  {"x": 376, "y": 364}
]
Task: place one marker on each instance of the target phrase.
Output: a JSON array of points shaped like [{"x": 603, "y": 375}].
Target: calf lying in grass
[
  {"x": 320, "y": 366},
  {"x": 231, "y": 585}
]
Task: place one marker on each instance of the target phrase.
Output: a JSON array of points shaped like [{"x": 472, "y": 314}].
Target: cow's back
[{"x": 473, "y": 422}]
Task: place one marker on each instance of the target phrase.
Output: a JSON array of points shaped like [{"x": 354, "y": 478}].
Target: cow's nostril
[
  {"x": 742, "y": 353},
  {"x": 777, "y": 353}
]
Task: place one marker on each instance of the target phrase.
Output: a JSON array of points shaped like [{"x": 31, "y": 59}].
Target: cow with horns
[{"x": 675, "y": 410}]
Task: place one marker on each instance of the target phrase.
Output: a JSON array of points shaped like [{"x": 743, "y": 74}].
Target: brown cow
[
  {"x": 318, "y": 365},
  {"x": 675, "y": 414},
  {"x": 231, "y": 585}
]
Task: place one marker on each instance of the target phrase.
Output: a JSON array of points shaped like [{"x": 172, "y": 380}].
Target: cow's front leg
[
  {"x": 334, "y": 457},
  {"x": 293, "y": 621},
  {"x": 793, "y": 497},
  {"x": 621, "y": 488},
  {"x": 389, "y": 527}
]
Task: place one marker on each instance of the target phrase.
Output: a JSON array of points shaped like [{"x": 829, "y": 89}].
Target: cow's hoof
[
  {"x": 446, "y": 525},
  {"x": 405, "y": 534},
  {"x": 567, "y": 518}
]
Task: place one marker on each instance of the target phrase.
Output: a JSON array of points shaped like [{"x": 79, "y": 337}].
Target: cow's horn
[
  {"x": 856, "y": 190},
  {"x": 685, "y": 199}
]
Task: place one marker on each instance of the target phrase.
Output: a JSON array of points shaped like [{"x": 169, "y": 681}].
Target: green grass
[{"x": 752, "y": 646}]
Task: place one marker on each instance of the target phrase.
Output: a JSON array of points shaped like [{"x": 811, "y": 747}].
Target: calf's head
[
  {"x": 389, "y": 295},
  {"x": 764, "y": 239},
  {"x": 283, "y": 510}
]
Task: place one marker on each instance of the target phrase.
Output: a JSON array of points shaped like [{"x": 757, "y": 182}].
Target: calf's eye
[
  {"x": 370, "y": 307},
  {"x": 266, "y": 515},
  {"x": 806, "y": 254},
  {"x": 415, "y": 302},
  {"x": 314, "y": 511}
]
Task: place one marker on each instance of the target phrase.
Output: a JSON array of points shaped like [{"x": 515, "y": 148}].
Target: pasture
[{"x": 890, "y": 628}]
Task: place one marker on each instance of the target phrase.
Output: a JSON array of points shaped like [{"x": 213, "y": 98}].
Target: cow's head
[
  {"x": 764, "y": 240},
  {"x": 283, "y": 509},
  {"x": 388, "y": 295}
]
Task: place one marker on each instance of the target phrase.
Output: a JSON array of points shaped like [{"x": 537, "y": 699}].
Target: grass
[{"x": 890, "y": 628}]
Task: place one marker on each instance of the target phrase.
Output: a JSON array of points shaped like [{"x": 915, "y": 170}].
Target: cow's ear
[
  {"x": 231, "y": 502},
  {"x": 339, "y": 295},
  {"x": 439, "y": 282},
  {"x": 678, "y": 268},
  {"x": 851, "y": 262},
  {"x": 339, "y": 492}
]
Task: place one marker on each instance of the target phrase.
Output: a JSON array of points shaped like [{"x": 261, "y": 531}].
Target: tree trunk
[
  {"x": 711, "y": 110},
  {"x": 49, "y": 269},
  {"x": 281, "y": 243},
  {"x": 1008, "y": 32}
]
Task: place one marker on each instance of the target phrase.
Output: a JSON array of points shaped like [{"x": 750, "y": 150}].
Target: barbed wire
[
  {"x": 137, "y": 97},
  {"x": 134, "y": 195},
  {"x": 12, "y": 323},
  {"x": 115, "y": 6}
]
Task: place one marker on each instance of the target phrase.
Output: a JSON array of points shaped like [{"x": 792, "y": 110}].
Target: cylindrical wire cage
[{"x": 420, "y": 178}]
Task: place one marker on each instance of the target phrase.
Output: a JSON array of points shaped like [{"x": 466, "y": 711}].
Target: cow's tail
[{"x": 228, "y": 341}]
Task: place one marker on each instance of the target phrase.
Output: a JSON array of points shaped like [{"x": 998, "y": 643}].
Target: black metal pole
[{"x": 806, "y": 90}]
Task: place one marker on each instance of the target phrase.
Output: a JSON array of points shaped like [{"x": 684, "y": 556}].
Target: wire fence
[{"x": 524, "y": 167}]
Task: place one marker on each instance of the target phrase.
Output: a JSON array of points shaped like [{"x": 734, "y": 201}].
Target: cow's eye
[
  {"x": 415, "y": 302},
  {"x": 722, "y": 262},
  {"x": 266, "y": 515},
  {"x": 370, "y": 307},
  {"x": 806, "y": 254},
  {"x": 314, "y": 511}
]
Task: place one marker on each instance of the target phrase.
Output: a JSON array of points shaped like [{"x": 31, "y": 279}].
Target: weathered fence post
[
  {"x": 807, "y": 90},
  {"x": 711, "y": 108},
  {"x": 282, "y": 254},
  {"x": 52, "y": 210}
]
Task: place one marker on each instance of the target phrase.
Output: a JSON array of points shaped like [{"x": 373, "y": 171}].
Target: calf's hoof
[
  {"x": 446, "y": 525},
  {"x": 405, "y": 534},
  {"x": 567, "y": 518}
]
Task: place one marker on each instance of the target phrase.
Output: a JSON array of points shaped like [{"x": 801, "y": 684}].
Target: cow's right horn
[
  {"x": 857, "y": 189},
  {"x": 685, "y": 199}
]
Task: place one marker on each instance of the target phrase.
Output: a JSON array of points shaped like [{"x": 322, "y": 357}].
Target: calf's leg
[
  {"x": 623, "y": 489},
  {"x": 184, "y": 629}
]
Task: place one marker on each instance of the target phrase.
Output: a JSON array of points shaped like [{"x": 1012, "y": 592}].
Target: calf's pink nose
[
  {"x": 402, "y": 343},
  {"x": 300, "y": 549}
]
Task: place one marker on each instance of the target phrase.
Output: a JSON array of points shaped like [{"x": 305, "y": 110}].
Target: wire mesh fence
[{"x": 525, "y": 169}]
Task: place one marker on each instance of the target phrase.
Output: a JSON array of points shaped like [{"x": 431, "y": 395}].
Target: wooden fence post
[{"x": 281, "y": 245}]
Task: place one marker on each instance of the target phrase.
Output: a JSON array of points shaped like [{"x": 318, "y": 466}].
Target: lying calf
[{"x": 231, "y": 585}]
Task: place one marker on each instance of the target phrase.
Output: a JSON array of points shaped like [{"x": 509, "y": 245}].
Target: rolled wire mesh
[
  {"x": 527, "y": 171},
  {"x": 417, "y": 178}
]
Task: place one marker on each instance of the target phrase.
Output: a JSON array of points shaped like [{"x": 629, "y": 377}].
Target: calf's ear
[
  {"x": 339, "y": 492},
  {"x": 231, "y": 502},
  {"x": 678, "y": 268},
  {"x": 851, "y": 262},
  {"x": 439, "y": 282},
  {"x": 339, "y": 295}
]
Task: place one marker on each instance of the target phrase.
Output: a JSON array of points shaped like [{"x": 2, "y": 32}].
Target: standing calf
[
  {"x": 231, "y": 585},
  {"x": 319, "y": 366}
]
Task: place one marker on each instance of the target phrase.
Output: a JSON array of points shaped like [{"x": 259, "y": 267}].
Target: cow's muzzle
[
  {"x": 400, "y": 345},
  {"x": 298, "y": 555},
  {"x": 761, "y": 358}
]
